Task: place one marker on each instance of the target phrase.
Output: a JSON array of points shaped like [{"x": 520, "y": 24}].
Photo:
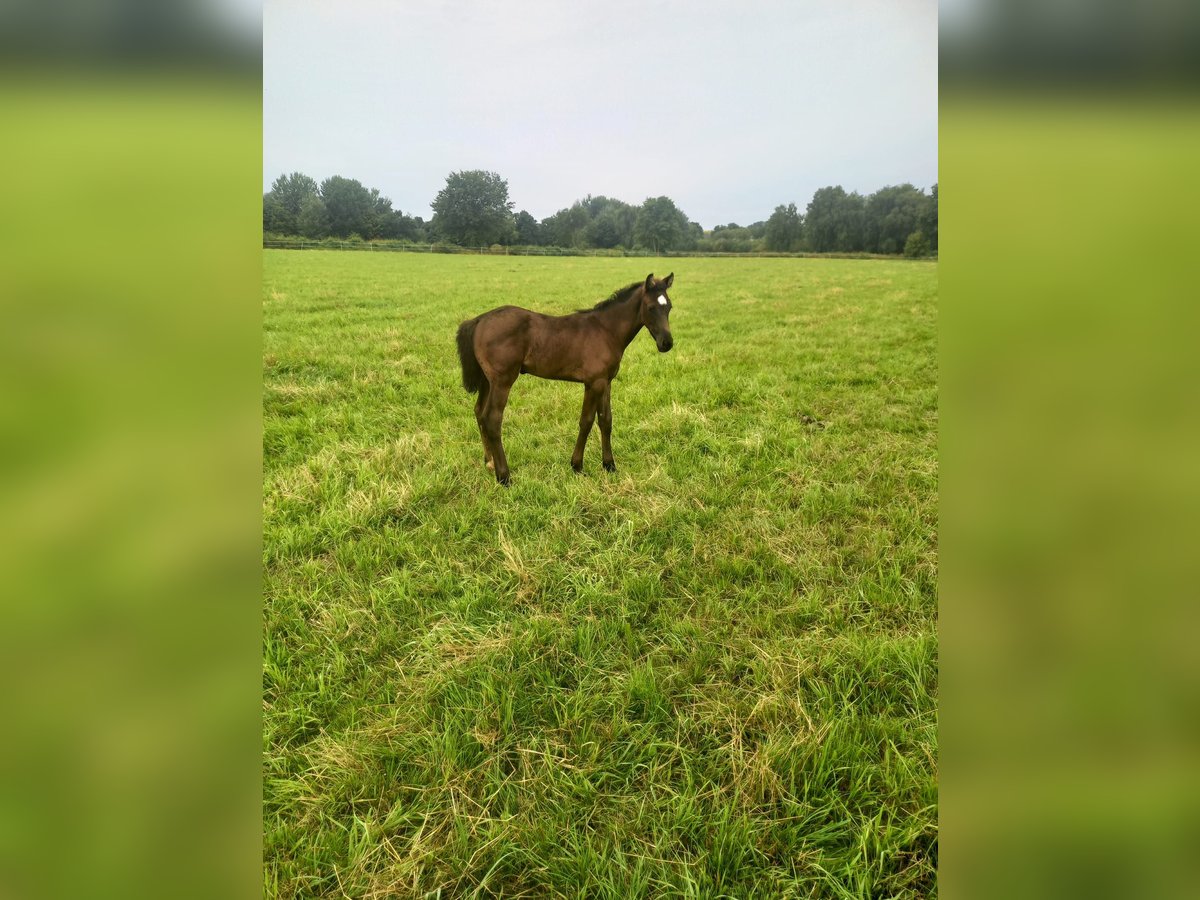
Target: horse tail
[{"x": 472, "y": 372}]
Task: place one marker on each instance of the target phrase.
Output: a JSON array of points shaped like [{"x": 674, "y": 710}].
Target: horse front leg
[
  {"x": 604, "y": 416},
  {"x": 591, "y": 399}
]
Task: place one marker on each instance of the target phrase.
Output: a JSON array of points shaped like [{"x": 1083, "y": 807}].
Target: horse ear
[
  {"x": 667, "y": 281},
  {"x": 650, "y": 282}
]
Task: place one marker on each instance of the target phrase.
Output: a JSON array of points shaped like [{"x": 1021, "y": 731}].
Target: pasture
[{"x": 712, "y": 673}]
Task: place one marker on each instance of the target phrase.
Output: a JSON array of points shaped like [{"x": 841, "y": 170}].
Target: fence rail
[{"x": 376, "y": 246}]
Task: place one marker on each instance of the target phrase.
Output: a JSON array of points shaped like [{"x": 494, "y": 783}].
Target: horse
[{"x": 585, "y": 347}]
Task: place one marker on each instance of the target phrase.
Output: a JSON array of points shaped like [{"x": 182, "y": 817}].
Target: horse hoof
[
  {"x": 503, "y": 479},
  {"x": 577, "y": 466},
  {"x": 610, "y": 466}
]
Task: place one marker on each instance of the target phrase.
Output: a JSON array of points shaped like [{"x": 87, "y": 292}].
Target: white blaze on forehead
[{"x": 662, "y": 299}]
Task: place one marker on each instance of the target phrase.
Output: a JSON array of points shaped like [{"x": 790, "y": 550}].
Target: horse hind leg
[
  {"x": 493, "y": 420},
  {"x": 480, "y": 404}
]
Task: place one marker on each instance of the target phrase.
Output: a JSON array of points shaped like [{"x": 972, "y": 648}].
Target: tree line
[{"x": 474, "y": 210}]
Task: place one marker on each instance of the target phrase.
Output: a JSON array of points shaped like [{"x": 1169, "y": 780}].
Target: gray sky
[{"x": 728, "y": 108}]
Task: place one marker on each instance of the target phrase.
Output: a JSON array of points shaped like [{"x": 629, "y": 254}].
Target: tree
[
  {"x": 660, "y": 225},
  {"x": 313, "y": 221},
  {"x": 419, "y": 229},
  {"x": 784, "y": 229},
  {"x": 834, "y": 221},
  {"x": 281, "y": 205},
  {"x": 612, "y": 222},
  {"x": 382, "y": 221},
  {"x": 349, "y": 206},
  {"x": 731, "y": 238},
  {"x": 929, "y": 223},
  {"x": 276, "y": 218},
  {"x": 603, "y": 231},
  {"x": 892, "y": 214},
  {"x": 567, "y": 227},
  {"x": 339, "y": 206},
  {"x": 473, "y": 209},
  {"x": 916, "y": 245},
  {"x": 596, "y": 206},
  {"x": 528, "y": 230},
  {"x": 624, "y": 219}
]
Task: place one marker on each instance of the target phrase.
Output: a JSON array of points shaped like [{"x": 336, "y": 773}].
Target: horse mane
[{"x": 618, "y": 296}]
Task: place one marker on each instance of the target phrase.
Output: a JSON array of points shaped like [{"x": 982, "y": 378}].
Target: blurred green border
[
  {"x": 131, "y": 489},
  {"x": 130, "y": 539},
  {"x": 1069, "y": 490}
]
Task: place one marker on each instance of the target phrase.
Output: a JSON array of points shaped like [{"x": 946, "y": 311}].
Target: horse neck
[{"x": 623, "y": 320}]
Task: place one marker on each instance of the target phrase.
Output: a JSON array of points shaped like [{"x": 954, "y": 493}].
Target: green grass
[{"x": 710, "y": 674}]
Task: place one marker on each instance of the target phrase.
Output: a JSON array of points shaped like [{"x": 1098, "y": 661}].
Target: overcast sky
[{"x": 728, "y": 108}]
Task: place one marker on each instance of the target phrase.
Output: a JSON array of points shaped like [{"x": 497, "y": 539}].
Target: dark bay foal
[{"x": 586, "y": 347}]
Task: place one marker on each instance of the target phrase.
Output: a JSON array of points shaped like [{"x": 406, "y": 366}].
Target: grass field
[{"x": 710, "y": 674}]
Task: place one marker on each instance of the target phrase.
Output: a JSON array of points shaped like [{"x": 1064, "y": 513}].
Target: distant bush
[{"x": 917, "y": 245}]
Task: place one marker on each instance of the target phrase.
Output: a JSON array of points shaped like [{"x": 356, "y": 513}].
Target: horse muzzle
[{"x": 665, "y": 344}]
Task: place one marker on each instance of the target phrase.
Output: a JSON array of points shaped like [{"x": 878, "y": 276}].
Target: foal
[{"x": 586, "y": 347}]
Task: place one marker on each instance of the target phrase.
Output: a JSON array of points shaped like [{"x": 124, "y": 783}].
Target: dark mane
[{"x": 618, "y": 296}]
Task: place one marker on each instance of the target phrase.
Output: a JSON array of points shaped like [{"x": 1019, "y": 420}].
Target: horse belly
[
  {"x": 555, "y": 370},
  {"x": 556, "y": 354}
]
